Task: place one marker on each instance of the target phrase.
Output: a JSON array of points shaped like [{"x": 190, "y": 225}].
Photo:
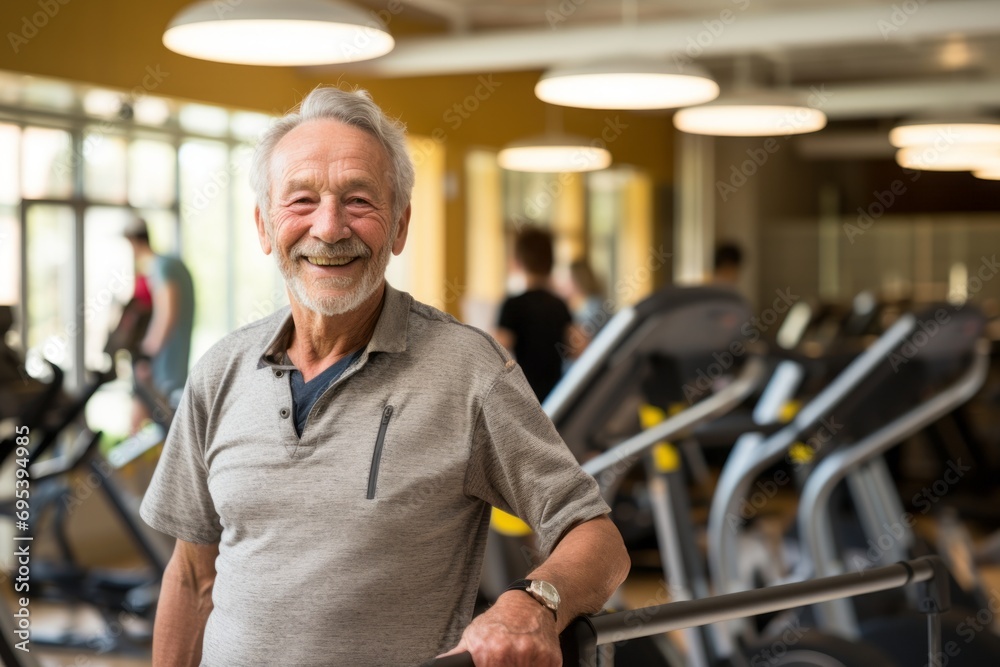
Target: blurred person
[
  {"x": 586, "y": 301},
  {"x": 727, "y": 264},
  {"x": 165, "y": 284},
  {"x": 535, "y": 326},
  {"x": 330, "y": 469}
]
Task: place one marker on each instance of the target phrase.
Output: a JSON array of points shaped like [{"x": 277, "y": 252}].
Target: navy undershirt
[{"x": 305, "y": 394}]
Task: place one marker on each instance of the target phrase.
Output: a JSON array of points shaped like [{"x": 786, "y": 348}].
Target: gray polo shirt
[{"x": 360, "y": 543}]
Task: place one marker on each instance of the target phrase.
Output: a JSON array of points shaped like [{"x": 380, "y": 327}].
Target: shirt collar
[{"x": 389, "y": 334}]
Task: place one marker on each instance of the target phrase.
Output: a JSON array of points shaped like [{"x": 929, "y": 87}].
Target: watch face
[{"x": 547, "y": 591}]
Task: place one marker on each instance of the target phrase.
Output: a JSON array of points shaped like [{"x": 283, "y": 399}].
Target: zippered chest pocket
[{"x": 377, "y": 453}]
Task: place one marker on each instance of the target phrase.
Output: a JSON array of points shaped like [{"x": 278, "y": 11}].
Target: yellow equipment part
[
  {"x": 666, "y": 458},
  {"x": 508, "y": 524},
  {"x": 789, "y": 410},
  {"x": 801, "y": 453}
]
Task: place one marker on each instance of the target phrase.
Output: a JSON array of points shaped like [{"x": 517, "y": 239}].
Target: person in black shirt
[{"x": 535, "y": 325}]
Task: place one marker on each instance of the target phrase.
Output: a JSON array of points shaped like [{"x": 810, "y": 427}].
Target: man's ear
[
  {"x": 262, "y": 235},
  {"x": 401, "y": 230}
]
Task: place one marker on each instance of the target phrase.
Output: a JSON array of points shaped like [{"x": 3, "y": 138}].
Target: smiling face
[{"x": 330, "y": 223}]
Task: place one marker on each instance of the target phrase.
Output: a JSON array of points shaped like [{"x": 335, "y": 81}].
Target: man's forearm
[
  {"x": 587, "y": 566},
  {"x": 181, "y": 613}
]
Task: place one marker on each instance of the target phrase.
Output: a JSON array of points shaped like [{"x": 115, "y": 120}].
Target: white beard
[{"x": 328, "y": 306}]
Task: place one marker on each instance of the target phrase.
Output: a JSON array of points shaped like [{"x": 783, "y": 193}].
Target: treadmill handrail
[
  {"x": 603, "y": 345},
  {"x": 751, "y": 376},
  {"x": 722, "y": 554},
  {"x": 813, "y": 518},
  {"x": 648, "y": 621}
]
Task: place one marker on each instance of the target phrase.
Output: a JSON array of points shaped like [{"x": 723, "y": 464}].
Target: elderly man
[{"x": 330, "y": 469}]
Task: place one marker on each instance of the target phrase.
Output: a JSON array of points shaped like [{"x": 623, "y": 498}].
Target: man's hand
[{"x": 515, "y": 632}]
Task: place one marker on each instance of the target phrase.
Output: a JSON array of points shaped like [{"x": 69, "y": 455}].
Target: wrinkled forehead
[{"x": 323, "y": 143}]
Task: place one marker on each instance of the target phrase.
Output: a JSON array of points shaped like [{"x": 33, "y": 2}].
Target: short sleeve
[
  {"x": 508, "y": 315},
  {"x": 178, "y": 501},
  {"x": 520, "y": 464},
  {"x": 163, "y": 270}
]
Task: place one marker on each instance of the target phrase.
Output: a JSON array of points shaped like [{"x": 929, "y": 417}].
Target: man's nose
[{"x": 330, "y": 222}]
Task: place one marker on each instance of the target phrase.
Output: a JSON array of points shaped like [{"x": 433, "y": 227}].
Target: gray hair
[{"x": 354, "y": 108}]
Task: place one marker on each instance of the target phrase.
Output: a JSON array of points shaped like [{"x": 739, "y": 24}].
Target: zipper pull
[{"x": 386, "y": 414}]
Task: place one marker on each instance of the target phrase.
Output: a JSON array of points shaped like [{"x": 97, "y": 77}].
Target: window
[{"x": 183, "y": 168}]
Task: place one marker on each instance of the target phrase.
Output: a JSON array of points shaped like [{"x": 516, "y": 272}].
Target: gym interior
[{"x": 790, "y": 212}]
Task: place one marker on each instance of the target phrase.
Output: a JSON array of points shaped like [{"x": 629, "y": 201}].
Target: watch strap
[
  {"x": 525, "y": 585},
  {"x": 519, "y": 585}
]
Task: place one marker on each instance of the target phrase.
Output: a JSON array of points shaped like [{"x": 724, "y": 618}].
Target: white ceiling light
[
  {"x": 626, "y": 84},
  {"x": 553, "y": 153},
  {"x": 763, "y": 115},
  {"x": 277, "y": 32},
  {"x": 957, "y": 131},
  {"x": 948, "y": 157}
]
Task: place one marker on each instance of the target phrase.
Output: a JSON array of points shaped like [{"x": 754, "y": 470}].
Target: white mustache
[{"x": 341, "y": 249}]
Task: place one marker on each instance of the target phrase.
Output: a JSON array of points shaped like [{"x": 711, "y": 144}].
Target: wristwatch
[{"x": 544, "y": 592}]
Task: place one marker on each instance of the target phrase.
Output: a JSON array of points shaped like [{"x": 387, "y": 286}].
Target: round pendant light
[
  {"x": 626, "y": 84},
  {"x": 553, "y": 153},
  {"x": 958, "y": 131},
  {"x": 277, "y": 32},
  {"x": 759, "y": 115},
  {"x": 945, "y": 157}
]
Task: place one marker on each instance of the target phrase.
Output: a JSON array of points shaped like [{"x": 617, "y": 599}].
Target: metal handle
[{"x": 636, "y": 623}]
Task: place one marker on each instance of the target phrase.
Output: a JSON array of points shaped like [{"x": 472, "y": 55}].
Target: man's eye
[{"x": 359, "y": 200}]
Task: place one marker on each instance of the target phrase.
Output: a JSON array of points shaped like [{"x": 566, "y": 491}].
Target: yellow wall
[
  {"x": 117, "y": 43},
  {"x": 113, "y": 42}
]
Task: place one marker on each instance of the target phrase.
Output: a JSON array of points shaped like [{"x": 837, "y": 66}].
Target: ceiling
[
  {"x": 918, "y": 50},
  {"x": 479, "y": 15}
]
